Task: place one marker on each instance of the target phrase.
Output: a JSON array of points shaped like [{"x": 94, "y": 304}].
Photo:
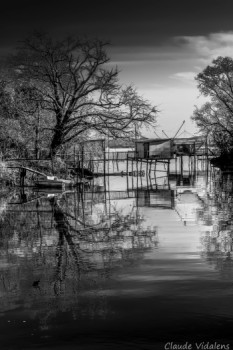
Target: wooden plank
[{"x": 28, "y": 169}]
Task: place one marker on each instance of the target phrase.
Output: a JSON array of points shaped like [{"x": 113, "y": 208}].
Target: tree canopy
[
  {"x": 72, "y": 83},
  {"x": 215, "y": 118}
]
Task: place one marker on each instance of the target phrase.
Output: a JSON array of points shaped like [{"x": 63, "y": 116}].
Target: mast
[
  {"x": 165, "y": 134},
  {"x": 179, "y": 129}
]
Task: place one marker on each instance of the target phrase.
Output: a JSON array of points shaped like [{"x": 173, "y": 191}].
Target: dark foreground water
[{"x": 124, "y": 265}]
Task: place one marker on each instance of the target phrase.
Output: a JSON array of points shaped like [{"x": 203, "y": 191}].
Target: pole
[
  {"x": 179, "y": 129},
  {"x": 104, "y": 148},
  {"x": 165, "y": 134}
]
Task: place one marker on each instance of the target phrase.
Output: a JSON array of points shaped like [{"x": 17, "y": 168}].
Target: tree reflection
[
  {"x": 64, "y": 246},
  {"x": 217, "y": 240}
]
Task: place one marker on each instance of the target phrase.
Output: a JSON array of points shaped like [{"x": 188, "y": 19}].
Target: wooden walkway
[
  {"x": 25, "y": 169},
  {"x": 44, "y": 180}
]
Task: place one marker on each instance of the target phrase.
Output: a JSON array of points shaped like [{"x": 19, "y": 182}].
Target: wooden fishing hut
[
  {"x": 163, "y": 150},
  {"x": 154, "y": 148},
  {"x": 168, "y": 148},
  {"x": 190, "y": 146},
  {"x": 153, "y": 151}
]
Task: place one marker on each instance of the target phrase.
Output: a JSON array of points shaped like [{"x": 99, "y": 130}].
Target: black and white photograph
[{"x": 116, "y": 175}]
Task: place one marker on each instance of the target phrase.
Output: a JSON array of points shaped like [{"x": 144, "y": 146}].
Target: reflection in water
[
  {"x": 217, "y": 238},
  {"x": 113, "y": 261},
  {"x": 63, "y": 245}
]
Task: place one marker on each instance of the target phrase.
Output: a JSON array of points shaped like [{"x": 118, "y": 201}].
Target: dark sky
[
  {"x": 159, "y": 46},
  {"x": 122, "y": 22}
]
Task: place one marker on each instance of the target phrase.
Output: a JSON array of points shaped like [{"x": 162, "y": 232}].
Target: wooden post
[
  {"x": 147, "y": 167},
  {"x": 22, "y": 176},
  {"x": 147, "y": 178},
  {"x": 195, "y": 164},
  {"x": 168, "y": 167},
  {"x": 78, "y": 165},
  {"x": 137, "y": 170},
  {"x": 127, "y": 176},
  {"x": 132, "y": 174},
  {"x": 155, "y": 170},
  {"x": 181, "y": 165},
  {"x": 206, "y": 149},
  {"x": 137, "y": 165},
  {"x": 75, "y": 163},
  {"x": 104, "y": 160},
  {"x": 207, "y": 170},
  {"x": 172, "y": 199},
  {"x": 82, "y": 159},
  {"x": 150, "y": 167}
]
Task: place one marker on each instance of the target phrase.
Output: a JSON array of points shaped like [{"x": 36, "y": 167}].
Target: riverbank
[{"x": 8, "y": 177}]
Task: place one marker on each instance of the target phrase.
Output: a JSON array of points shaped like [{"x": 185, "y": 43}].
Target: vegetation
[
  {"x": 215, "y": 118},
  {"x": 7, "y": 176},
  {"x": 55, "y": 93}
]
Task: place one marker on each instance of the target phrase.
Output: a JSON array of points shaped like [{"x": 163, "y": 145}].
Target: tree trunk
[{"x": 55, "y": 143}]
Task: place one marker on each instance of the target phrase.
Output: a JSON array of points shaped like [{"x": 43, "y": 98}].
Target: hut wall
[
  {"x": 154, "y": 148},
  {"x": 140, "y": 149},
  {"x": 162, "y": 150},
  {"x": 184, "y": 147}
]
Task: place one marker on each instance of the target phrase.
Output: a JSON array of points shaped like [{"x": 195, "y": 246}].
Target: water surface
[{"x": 130, "y": 263}]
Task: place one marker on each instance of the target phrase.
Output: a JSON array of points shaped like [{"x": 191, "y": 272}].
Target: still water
[{"x": 129, "y": 263}]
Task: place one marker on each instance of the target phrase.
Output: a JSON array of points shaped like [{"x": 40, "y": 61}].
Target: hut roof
[{"x": 152, "y": 140}]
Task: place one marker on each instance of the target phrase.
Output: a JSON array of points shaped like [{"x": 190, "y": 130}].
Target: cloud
[
  {"x": 164, "y": 74},
  {"x": 184, "y": 76},
  {"x": 177, "y": 61},
  {"x": 207, "y": 48},
  {"x": 199, "y": 51}
]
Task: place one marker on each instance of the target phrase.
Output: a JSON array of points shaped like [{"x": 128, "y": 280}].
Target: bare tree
[{"x": 79, "y": 89}]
